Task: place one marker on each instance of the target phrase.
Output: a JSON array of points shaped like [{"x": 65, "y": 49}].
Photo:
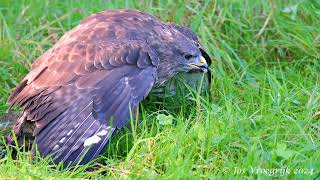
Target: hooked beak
[{"x": 199, "y": 65}]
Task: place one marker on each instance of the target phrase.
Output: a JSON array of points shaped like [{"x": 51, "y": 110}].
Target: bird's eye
[{"x": 188, "y": 56}]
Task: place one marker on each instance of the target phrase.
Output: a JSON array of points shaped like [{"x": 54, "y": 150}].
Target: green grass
[{"x": 264, "y": 101}]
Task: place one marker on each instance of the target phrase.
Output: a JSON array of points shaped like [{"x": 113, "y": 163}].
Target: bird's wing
[{"x": 79, "y": 94}]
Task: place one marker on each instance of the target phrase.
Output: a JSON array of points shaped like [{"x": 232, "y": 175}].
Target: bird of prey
[{"x": 89, "y": 84}]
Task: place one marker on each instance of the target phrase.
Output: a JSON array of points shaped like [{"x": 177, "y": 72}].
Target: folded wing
[{"x": 80, "y": 94}]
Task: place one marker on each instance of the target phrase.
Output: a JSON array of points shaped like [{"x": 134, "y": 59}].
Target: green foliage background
[{"x": 265, "y": 96}]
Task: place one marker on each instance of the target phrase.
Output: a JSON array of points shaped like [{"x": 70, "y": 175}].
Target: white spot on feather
[
  {"x": 91, "y": 140},
  {"x": 96, "y": 138},
  {"x": 77, "y": 125},
  {"x": 69, "y": 133},
  {"x": 55, "y": 147},
  {"x": 62, "y": 140},
  {"x": 126, "y": 80},
  {"x": 102, "y": 133}
]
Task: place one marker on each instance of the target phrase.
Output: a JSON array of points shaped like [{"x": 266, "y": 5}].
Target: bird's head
[{"x": 179, "y": 51}]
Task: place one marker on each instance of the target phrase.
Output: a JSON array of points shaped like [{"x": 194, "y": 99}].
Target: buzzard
[{"x": 89, "y": 84}]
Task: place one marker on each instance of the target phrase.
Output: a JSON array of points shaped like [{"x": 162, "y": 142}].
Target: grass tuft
[{"x": 263, "y": 110}]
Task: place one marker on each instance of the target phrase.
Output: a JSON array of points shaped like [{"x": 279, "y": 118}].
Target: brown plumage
[{"x": 84, "y": 88}]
